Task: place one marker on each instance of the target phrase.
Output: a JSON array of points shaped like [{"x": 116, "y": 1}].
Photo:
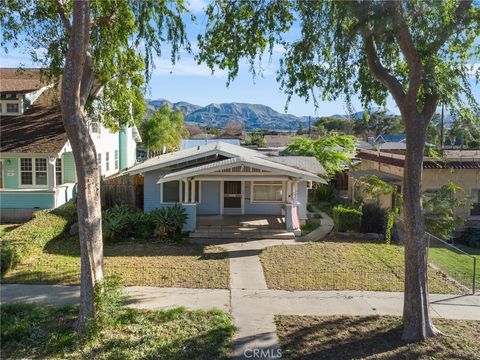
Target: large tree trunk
[
  {"x": 416, "y": 316},
  {"x": 76, "y": 84}
]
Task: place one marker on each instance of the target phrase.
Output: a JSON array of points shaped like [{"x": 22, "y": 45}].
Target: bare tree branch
[
  {"x": 409, "y": 51},
  {"x": 379, "y": 71},
  {"x": 63, "y": 15}
]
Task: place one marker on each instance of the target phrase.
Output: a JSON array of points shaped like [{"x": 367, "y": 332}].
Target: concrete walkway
[{"x": 252, "y": 305}]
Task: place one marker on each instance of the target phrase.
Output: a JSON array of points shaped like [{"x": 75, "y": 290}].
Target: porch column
[
  {"x": 187, "y": 191},
  {"x": 180, "y": 190},
  {"x": 51, "y": 176},
  {"x": 193, "y": 190},
  {"x": 289, "y": 191}
]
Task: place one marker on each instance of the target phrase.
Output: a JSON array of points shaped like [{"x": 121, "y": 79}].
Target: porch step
[
  {"x": 243, "y": 233},
  {"x": 222, "y": 228}
]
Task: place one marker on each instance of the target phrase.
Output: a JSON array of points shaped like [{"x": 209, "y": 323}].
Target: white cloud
[{"x": 473, "y": 68}]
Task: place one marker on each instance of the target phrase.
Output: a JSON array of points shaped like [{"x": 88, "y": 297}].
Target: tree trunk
[
  {"x": 416, "y": 316},
  {"x": 76, "y": 84}
]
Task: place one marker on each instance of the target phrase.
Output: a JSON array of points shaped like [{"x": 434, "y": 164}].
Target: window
[
  {"x": 12, "y": 108},
  {"x": 58, "y": 171},
  {"x": 116, "y": 159},
  {"x": 41, "y": 171},
  {"x": 267, "y": 191},
  {"x": 95, "y": 127},
  {"x": 99, "y": 160},
  {"x": 26, "y": 172},
  {"x": 170, "y": 192},
  {"x": 107, "y": 161},
  {"x": 33, "y": 171}
]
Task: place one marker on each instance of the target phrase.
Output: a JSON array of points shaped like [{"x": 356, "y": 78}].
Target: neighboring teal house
[{"x": 37, "y": 167}]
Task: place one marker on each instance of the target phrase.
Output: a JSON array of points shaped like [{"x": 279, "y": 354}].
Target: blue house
[
  {"x": 37, "y": 167},
  {"x": 221, "y": 183}
]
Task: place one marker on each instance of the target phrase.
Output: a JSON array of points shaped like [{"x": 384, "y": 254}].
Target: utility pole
[
  {"x": 441, "y": 131},
  {"x": 309, "y": 125}
]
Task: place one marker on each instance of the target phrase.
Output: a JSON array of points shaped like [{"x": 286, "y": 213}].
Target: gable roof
[
  {"x": 182, "y": 156},
  {"x": 259, "y": 163},
  {"x": 38, "y": 130},
  {"x": 14, "y": 80},
  {"x": 231, "y": 156}
]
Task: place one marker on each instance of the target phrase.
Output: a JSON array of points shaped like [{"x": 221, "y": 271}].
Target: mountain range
[{"x": 253, "y": 116}]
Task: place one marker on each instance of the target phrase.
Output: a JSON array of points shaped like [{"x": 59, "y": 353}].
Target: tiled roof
[
  {"x": 14, "y": 80},
  {"x": 428, "y": 164},
  {"x": 38, "y": 130}
]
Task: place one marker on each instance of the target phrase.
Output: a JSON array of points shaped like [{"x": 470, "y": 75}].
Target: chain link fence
[{"x": 453, "y": 262}]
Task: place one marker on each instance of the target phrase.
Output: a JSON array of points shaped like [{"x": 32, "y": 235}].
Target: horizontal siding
[
  {"x": 26, "y": 200},
  {"x": 10, "y": 182},
  {"x": 151, "y": 192},
  {"x": 210, "y": 198}
]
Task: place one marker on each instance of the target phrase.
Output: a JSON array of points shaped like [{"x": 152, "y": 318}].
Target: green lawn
[
  {"x": 342, "y": 265},
  {"x": 456, "y": 264},
  {"x": 136, "y": 262},
  {"x": 372, "y": 337},
  {"x": 309, "y": 227},
  {"x": 35, "y": 331},
  {"x": 5, "y": 228}
]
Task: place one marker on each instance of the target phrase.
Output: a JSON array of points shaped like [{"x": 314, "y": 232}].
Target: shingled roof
[
  {"x": 14, "y": 80},
  {"x": 38, "y": 130}
]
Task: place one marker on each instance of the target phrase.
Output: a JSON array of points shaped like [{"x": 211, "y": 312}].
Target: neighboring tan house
[
  {"x": 278, "y": 141},
  {"x": 37, "y": 168},
  {"x": 224, "y": 182},
  {"x": 460, "y": 166}
]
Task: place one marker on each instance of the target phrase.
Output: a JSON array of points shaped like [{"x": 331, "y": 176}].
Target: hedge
[
  {"x": 346, "y": 219},
  {"x": 30, "y": 238}
]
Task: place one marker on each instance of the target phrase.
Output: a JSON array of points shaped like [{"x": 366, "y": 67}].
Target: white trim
[
  {"x": 221, "y": 197},
  {"x": 34, "y": 180},
  {"x": 243, "y": 196},
  {"x": 1, "y": 174},
  {"x": 179, "y": 194}
]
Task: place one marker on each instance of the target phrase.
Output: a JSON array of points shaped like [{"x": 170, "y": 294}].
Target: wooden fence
[{"x": 123, "y": 189}]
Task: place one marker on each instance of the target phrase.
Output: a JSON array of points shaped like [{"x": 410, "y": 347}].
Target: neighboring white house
[{"x": 37, "y": 168}]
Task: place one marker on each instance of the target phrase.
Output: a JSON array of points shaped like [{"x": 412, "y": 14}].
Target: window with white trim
[
  {"x": 33, "y": 171},
  {"x": 26, "y": 172},
  {"x": 107, "y": 161},
  {"x": 58, "y": 171},
  {"x": 267, "y": 191},
  {"x": 116, "y": 159},
  {"x": 41, "y": 172},
  {"x": 12, "y": 107},
  {"x": 171, "y": 192}
]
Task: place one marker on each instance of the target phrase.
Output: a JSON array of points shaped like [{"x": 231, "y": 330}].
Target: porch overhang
[{"x": 257, "y": 163}]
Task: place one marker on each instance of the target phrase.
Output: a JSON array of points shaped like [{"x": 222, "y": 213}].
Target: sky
[{"x": 187, "y": 81}]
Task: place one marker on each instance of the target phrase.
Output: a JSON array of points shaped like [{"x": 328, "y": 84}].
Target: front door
[{"x": 232, "y": 197}]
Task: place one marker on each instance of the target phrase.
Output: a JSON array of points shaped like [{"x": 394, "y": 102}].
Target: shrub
[
  {"x": 374, "y": 219},
  {"x": 324, "y": 192},
  {"x": 169, "y": 220},
  {"x": 140, "y": 225},
  {"x": 115, "y": 222},
  {"x": 470, "y": 237},
  {"x": 30, "y": 238},
  {"x": 346, "y": 218}
]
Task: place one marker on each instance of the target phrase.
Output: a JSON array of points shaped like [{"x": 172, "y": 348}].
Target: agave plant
[{"x": 169, "y": 221}]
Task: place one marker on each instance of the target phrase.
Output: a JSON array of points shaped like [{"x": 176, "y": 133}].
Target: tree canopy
[
  {"x": 124, "y": 38},
  {"x": 333, "y": 151},
  {"x": 164, "y": 130}
]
